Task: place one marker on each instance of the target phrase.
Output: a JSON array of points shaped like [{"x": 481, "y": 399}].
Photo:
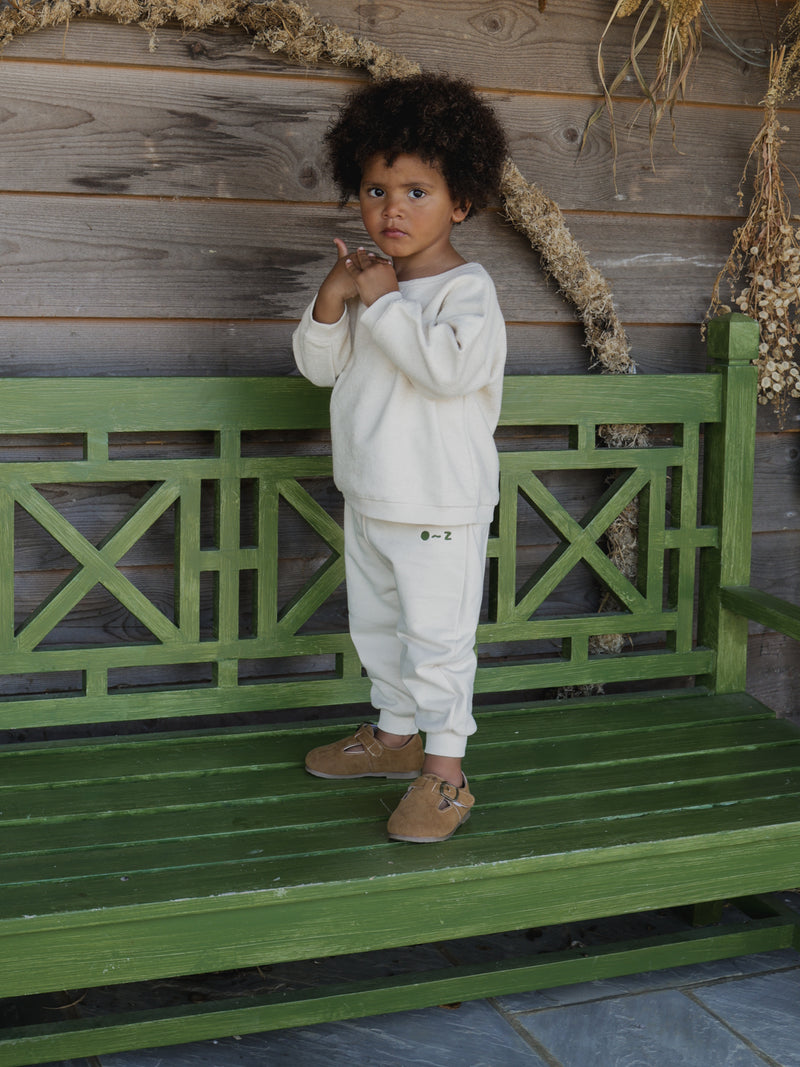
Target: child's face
[{"x": 408, "y": 212}]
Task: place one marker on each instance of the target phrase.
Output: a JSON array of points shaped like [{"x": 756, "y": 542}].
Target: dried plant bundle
[
  {"x": 764, "y": 262},
  {"x": 679, "y": 25}
]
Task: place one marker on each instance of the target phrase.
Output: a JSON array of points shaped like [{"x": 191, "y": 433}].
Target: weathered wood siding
[{"x": 167, "y": 211}]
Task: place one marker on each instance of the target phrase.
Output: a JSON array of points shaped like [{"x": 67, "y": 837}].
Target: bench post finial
[{"x": 733, "y": 341}]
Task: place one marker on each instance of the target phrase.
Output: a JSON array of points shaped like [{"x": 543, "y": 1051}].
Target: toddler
[{"x": 412, "y": 340}]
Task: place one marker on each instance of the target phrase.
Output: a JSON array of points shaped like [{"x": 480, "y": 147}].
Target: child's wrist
[{"x": 327, "y": 310}]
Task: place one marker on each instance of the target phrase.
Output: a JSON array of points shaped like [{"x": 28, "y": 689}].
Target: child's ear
[{"x": 461, "y": 211}]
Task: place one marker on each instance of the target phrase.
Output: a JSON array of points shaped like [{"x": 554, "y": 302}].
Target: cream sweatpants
[{"x": 414, "y": 597}]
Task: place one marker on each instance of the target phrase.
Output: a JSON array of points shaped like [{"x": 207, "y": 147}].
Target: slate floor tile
[
  {"x": 473, "y": 1034},
  {"x": 663, "y": 1029},
  {"x": 650, "y": 981},
  {"x": 764, "y": 1009}
]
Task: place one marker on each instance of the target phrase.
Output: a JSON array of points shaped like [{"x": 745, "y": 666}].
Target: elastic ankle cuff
[
  {"x": 402, "y": 725},
  {"x": 446, "y": 743}
]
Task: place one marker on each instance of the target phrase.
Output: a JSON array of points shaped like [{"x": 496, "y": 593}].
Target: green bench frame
[{"x": 185, "y": 850}]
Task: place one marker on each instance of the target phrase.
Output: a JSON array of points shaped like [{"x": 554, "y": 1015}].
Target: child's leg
[
  {"x": 440, "y": 584},
  {"x": 374, "y": 614},
  {"x": 437, "y": 586},
  {"x": 431, "y": 596},
  {"x": 395, "y": 751}
]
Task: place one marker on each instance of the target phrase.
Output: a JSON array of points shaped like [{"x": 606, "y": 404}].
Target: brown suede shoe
[
  {"x": 362, "y": 755},
  {"x": 431, "y": 810}
]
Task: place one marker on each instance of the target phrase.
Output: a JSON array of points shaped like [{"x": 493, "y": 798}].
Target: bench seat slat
[
  {"x": 638, "y": 772},
  {"x": 525, "y": 755},
  {"x": 21, "y": 767},
  {"x": 699, "y": 850},
  {"x": 243, "y": 798},
  {"x": 504, "y": 810}
]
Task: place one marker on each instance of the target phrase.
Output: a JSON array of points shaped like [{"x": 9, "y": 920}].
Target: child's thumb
[{"x": 341, "y": 246}]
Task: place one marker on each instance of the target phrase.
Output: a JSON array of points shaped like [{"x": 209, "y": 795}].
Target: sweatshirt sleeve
[
  {"x": 321, "y": 350},
  {"x": 453, "y": 355}
]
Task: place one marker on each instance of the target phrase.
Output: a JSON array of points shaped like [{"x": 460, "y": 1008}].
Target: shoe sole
[
  {"x": 395, "y": 775},
  {"x": 429, "y": 840}
]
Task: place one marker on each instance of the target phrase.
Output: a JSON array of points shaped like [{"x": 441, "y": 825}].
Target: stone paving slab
[
  {"x": 474, "y": 1035},
  {"x": 664, "y": 1029},
  {"x": 764, "y": 1009}
]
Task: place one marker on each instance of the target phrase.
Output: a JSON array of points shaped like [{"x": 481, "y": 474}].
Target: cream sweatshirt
[{"x": 417, "y": 383}]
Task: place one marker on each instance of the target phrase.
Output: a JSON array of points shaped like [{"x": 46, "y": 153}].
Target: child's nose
[{"x": 392, "y": 205}]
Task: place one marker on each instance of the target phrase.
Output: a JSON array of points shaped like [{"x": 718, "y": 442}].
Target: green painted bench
[{"x": 155, "y": 818}]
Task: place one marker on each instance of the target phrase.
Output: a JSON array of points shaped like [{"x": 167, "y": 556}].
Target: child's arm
[
  {"x": 321, "y": 342},
  {"x": 337, "y": 288},
  {"x": 453, "y": 355}
]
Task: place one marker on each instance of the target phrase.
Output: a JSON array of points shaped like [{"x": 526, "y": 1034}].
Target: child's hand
[
  {"x": 374, "y": 277},
  {"x": 337, "y": 287}
]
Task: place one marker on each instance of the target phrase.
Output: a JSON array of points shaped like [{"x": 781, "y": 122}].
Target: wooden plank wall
[{"x": 166, "y": 210}]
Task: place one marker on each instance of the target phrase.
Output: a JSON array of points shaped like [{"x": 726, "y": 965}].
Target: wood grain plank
[
  {"x": 168, "y": 794},
  {"x": 197, "y": 782},
  {"x": 91, "y": 347},
  {"x": 148, "y": 133},
  {"x": 32, "y": 847},
  {"x": 118, "y": 258},
  {"x": 772, "y": 669},
  {"x": 176, "y": 755}
]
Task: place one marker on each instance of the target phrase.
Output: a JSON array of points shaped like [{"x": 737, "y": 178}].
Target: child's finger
[
  {"x": 364, "y": 258},
  {"x": 341, "y": 247}
]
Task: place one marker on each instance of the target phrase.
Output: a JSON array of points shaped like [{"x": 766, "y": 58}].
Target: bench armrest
[{"x": 770, "y": 611}]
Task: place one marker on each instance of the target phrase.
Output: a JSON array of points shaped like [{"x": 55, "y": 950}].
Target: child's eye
[
  {"x": 375, "y": 192},
  {"x": 417, "y": 194}
]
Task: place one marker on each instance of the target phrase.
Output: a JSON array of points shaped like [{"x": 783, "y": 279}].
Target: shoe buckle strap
[
  {"x": 450, "y": 792},
  {"x": 369, "y": 741}
]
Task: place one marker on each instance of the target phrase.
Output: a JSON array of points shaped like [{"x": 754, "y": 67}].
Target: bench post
[{"x": 728, "y": 497}]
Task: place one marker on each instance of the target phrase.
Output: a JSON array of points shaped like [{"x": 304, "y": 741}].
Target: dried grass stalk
[
  {"x": 679, "y": 25},
  {"x": 539, "y": 217}
]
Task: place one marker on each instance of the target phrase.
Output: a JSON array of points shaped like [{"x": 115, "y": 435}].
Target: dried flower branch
[{"x": 765, "y": 258}]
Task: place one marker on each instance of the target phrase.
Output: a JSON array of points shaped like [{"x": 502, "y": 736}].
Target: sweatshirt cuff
[
  {"x": 370, "y": 315},
  {"x": 323, "y": 330}
]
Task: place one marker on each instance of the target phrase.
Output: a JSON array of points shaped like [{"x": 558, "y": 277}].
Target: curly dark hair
[{"x": 439, "y": 118}]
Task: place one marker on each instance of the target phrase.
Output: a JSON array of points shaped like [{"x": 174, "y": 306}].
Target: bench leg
[{"x": 707, "y": 913}]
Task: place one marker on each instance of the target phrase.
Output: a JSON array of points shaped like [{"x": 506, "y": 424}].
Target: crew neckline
[{"x": 444, "y": 274}]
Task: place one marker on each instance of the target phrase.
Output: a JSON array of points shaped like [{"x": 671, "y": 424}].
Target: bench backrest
[{"x": 166, "y": 505}]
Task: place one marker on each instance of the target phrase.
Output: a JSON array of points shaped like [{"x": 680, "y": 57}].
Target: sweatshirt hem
[{"x": 421, "y": 514}]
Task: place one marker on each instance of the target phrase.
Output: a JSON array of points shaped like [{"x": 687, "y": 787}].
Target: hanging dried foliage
[
  {"x": 764, "y": 263},
  {"x": 678, "y": 23},
  {"x": 539, "y": 217}
]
